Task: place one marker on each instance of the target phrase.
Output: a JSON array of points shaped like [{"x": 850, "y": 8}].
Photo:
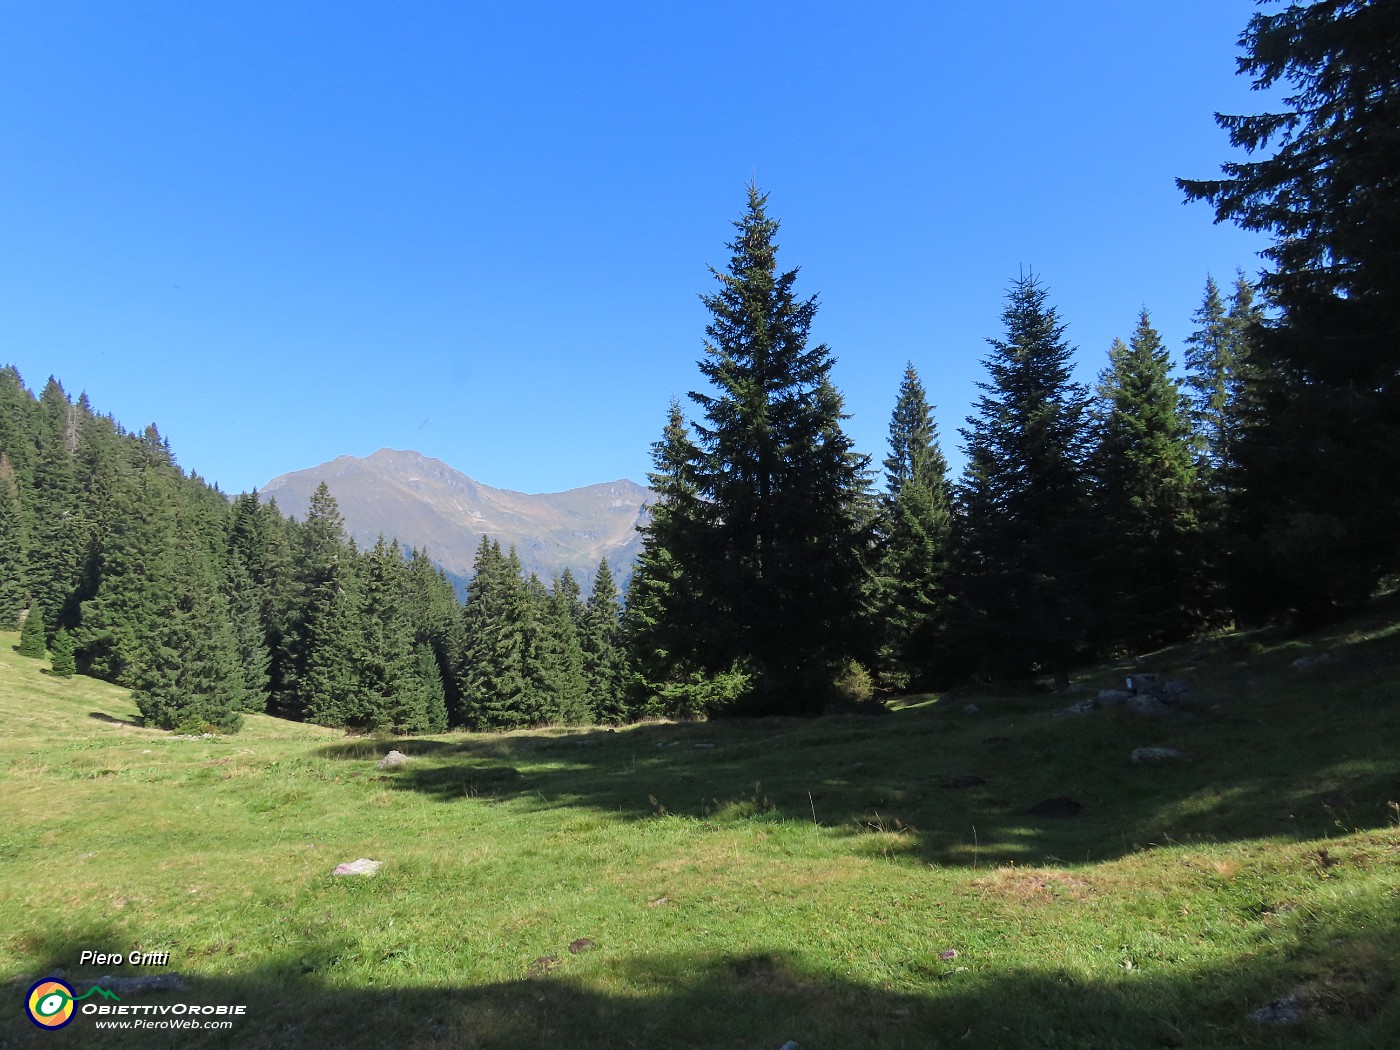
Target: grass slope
[{"x": 742, "y": 884}]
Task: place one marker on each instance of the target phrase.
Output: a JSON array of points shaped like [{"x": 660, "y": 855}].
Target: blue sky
[{"x": 286, "y": 231}]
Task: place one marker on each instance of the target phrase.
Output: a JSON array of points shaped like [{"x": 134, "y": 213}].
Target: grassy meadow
[{"x": 736, "y": 884}]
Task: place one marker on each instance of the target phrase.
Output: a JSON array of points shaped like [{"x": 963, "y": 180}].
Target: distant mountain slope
[{"x": 425, "y": 503}]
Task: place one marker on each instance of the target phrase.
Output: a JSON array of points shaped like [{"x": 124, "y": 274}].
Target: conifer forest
[{"x": 1252, "y": 474}]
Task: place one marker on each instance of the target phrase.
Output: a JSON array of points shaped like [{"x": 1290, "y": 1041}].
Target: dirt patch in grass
[{"x": 1034, "y": 885}]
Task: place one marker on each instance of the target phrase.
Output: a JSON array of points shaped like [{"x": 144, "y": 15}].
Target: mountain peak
[{"x": 423, "y": 502}]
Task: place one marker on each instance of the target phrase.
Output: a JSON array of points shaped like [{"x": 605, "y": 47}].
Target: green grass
[{"x": 796, "y": 880}]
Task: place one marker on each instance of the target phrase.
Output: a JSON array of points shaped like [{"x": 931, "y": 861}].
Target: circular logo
[{"x": 50, "y": 1003}]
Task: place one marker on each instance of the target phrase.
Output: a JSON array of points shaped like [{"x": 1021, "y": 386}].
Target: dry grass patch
[{"x": 1034, "y": 885}]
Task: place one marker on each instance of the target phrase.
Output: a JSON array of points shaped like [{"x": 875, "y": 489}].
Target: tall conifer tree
[
  {"x": 915, "y": 533},
  {"x": 1209, "y": 367},
  {"x": 327, "y": 634},
  {"x": 1021, "y": 580},
  {"x": 778, "y": 561},
  {"x": 498, "y": 624},
  {"x": 600, "y": 636},
  {"x": 14, "y": 543},
  {"x": 1316, "y": 506},
  {"x": 662, "y": 621},
  {"x": 1149, "y": 585},
  {"x": 558, "y": 654}
]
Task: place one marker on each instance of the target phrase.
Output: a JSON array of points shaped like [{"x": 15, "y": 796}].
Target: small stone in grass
[
  {"x": 362, "y": 866},
  {"x": 392, "y": 760},
  {"x": 1285, "y": 1011},
  {"x": 948, "y": 954}
]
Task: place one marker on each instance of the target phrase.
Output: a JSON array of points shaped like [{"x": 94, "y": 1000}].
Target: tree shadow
[
  {"x": 1267, "y": 750},
  {"x": 762, "y": 999},
  {"x": 102, "y": 716}
]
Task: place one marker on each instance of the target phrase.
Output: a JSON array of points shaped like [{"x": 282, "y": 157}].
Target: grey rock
[
  {"x": 1139, "y": 683},
  {"x": 362, "y": 866},
  {"x": 1147, "y": 707},
  {"x": 1152, "y": 755},
  {"x": 1111, "y": 697},
  {"x": 1304, "y": 662},
  {"x": 791, "y": 1044},
  {"x": 1164, "y": 689},
  {"x": 392, "y": 760},
  {"x": 971, "y": 710},
  {"x": 703, "y": 745},
  {"x": 1286, "y": 1011}
]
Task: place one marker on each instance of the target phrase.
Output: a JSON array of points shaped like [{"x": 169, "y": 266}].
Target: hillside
[
  {"x": 426, "y": 503},
  {"x": 840, "y": 882}
]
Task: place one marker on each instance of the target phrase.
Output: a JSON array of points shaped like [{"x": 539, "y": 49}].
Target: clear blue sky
[{"x": 288, "y": 230}]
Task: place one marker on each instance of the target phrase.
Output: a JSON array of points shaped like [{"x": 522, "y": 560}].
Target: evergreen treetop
[
  {"x": 1021, "y": 555},
  {"x": 777, "y": 560}
]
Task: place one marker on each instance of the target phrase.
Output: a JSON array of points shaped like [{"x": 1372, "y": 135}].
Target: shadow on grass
[
  {"x": 102, "y": 716},
  {"x": 1268, "y": 751},
  {"x": 1343, "y": 998}
]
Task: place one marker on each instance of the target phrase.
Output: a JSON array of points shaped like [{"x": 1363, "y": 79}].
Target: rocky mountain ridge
[{"x": 424, "y": 502}]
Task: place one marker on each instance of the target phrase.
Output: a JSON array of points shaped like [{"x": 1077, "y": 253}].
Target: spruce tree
[
  {"x": 192, "y": 681},
  {"x": 1315, "y": 507},
  {"x": 1021, "y": 582},
  {"x": 437, "y": 629},
  {"x": 914, "y": 538},
  {"x": 63, "y": 664},
  {"x": 425, "y": 700},
  {"x": 1251, "y": 378},
  {"x": 18, "y": 426},
  {"x": 558, "y": 657},
  {"x": 33, "y": 639},
  {"x": 327, "y": 634},
  {"x": 119, "y": 621},
  {"x": 497, "y": 673},
  {"x": 663, "y": 626},
  {"x": 387, "y": 690},
  {"x": 260, "y": 543},
  {"x": 600, "y": 636},
  {"x": 1147, "y": 565},
  {"x": 14, "y": 562},
  {"x": 57, "y": 538},
  {"x": 1210, "y": 365},
  {"x": 778, "y": 561}
]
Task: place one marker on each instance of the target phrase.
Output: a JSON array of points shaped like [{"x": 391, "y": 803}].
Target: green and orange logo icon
[{"x": 50, "y": 1002}]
